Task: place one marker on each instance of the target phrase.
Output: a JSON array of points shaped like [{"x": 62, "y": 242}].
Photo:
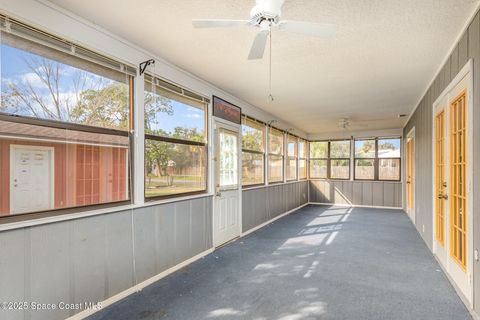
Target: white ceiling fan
[
  {"x": 347, "y": 123},
  {"x": 265, "y": 15}
]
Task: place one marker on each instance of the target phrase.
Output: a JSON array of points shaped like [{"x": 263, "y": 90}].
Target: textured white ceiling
[{"x": 379, "y": 64}]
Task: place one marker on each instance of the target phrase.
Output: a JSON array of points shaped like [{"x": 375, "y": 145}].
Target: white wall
[{"x": 51, "y": 18}]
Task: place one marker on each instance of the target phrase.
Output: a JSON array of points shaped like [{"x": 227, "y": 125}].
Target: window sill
[
  {"x": 95, "y": 212},
  {"x": 270, "y": 185},
  {"x": 357, "y": 180}
]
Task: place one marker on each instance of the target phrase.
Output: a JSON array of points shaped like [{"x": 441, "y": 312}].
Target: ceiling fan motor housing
[{"x": 265, "y": 11}]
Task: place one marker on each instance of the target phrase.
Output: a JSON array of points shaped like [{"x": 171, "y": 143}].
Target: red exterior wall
[{"x": 83, "y": 174}]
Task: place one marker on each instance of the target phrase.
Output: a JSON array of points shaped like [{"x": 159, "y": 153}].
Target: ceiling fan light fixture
[{"x": 266, "y": 14}]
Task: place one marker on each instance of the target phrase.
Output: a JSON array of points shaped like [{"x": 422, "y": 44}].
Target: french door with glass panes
[{"x": 452, "y": 236}]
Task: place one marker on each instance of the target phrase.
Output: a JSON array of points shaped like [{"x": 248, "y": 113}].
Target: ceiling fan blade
[
  {"x": 279, "y": 3},
  {"x": 258, "y": 46},
  {"x": 218, "y": 23},
  {"x": 358, "y": 125},
  {"x": 270, "y": 4},
  {"x": 308, "y": 28}
]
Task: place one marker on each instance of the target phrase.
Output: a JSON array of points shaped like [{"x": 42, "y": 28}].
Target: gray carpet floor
[{"x": 317, "y": 263}]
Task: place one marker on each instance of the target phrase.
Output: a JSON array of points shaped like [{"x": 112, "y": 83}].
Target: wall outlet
[{"x": 475, "y": 254}]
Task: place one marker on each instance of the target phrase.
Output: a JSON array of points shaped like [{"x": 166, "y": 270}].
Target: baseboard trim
[
  {"x": 271, "y": 220},
  {"x": 139, "y": 287},
  {"x": 352, "y": 205},
  {"x": 456, "y": 288}
]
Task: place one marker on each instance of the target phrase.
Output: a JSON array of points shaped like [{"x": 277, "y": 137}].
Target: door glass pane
[{"x": 228, "y": 159}]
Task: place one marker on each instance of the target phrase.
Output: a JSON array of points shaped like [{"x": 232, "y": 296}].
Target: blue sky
[
  {"x": 183, "y": 116},
  {"x": 15, "y": 69}
]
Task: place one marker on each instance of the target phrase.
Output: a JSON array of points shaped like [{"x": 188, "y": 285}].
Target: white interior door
[
  {"x": 410, "y": 174},
  {"x": 31, "y": 179},
  {"x": 441, "y": 174},
  {"x": 227, "y": 224},
  {"x": 453, "y": 236}
]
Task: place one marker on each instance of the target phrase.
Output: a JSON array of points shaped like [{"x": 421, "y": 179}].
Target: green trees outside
[{"x": 55, "y": 91}]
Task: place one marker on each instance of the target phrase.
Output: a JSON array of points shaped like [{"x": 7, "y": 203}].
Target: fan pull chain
[{"x": 270, "y": 96}]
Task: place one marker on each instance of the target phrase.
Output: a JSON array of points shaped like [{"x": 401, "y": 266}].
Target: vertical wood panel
[
  {"x": 88, "y": 259},
  {"x": 367, "y": 197},
  {"x": 14, "y": 264},
  {"x": 463, "y": 51},
  {"x": 474, "y": 53},
  {"x": 50, "y": 267},
  {"x": 468, "y": 47},
  {"x": 377, "y": 194},
  {"x": 389, "y": 195},
  {"x": 454, "y": 63}
]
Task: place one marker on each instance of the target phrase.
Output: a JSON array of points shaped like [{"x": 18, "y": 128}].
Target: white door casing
[
  {"x": 227, "y": 206},
  {"x": 463, "y": 278},
  {"x": 31, "y": 178}
]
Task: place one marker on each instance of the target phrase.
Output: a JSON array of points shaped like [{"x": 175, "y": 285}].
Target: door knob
[
  {"x": 443, "y": 196},
  {"x": 218, "y": 194}
]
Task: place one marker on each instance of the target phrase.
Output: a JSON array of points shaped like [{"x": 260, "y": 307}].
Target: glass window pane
[
  {"x": 51, "y": 168},
  {"x": 365, "y": 148},
  {"x": 275, "y": 141},
  {"x": 340, "y": 169},
  {"x": 275, "y": 168},
  {"x": 340, "y": 149},
  {"x": 292, "y": 146},
  {"x": 301, "y": 148},
  {"x": 252, "y": 135},
  {"x": 252, "y": 168},
  {"x": 318, "y": 168},
  {"x": 291, "y": 169},
  {"x": 302, "y": 169},
  {"x": 365, "y": 169},
  {"x": 43, "y": 83},
  {"x": 172, "y": 168},
  {"x": 389, "y": 169},
  {"x": 228, "y": 160},
  {"x": 319, "y": 149},
  {"x": 389, "y": 148},
  {"x": 172, "y": 115}
]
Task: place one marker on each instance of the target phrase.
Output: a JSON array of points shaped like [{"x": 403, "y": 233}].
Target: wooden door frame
[
  {"x": 467, "y": 70},
  {"x": 410, "y": 135}
]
